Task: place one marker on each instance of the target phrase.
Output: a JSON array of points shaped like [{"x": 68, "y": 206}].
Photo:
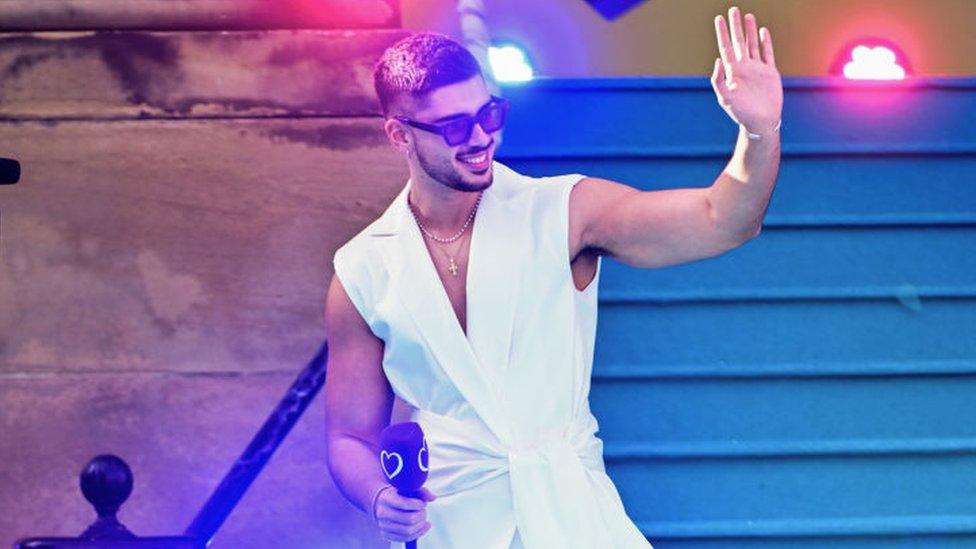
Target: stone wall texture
[{"x": 165, "y": 256}]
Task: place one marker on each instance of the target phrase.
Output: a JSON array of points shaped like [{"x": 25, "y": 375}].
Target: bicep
[
  {"x": 647, "y": 228},
  {"x": 358, "y": 397}
]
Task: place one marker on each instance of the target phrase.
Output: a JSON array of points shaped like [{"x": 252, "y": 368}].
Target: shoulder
[
  {"x": 541, "y": 188},
  {"x": 551, "y": 192},
  {"x": 547, "y": 181},
  {"x": 593, "y": 196},
  {"x": 358, "y": 265},
  {"x": 357, "y": 249},
  {"x": 362, "y": 246}
]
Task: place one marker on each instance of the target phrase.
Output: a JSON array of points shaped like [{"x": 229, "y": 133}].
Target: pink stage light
[
  {"x": 877, "y": 63},
  {"x": 871, "y": 59}
]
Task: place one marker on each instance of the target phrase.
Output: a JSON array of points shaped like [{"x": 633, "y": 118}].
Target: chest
[{"x": 451, "y": 263}]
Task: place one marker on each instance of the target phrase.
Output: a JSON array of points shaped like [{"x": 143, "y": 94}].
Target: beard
[{"x": 447, "y": 173}]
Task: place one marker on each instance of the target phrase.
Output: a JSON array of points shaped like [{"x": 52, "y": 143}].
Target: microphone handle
[{"x": 412, "y": 544}]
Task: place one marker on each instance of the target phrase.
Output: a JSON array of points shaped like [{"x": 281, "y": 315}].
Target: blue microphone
[{"x": 405, "y": 460}]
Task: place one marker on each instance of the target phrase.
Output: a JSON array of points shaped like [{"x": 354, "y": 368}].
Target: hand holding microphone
[{"x": 401, "y": 514}]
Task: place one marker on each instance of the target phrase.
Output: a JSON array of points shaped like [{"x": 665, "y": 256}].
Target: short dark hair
[{"x": 420, "y": 63}]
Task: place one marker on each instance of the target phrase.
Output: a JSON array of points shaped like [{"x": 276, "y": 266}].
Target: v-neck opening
[{"x": 464, "y": 332}]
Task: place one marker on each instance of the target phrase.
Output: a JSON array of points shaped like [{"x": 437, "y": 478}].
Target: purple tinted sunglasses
[{"x": 491, "y": 117}]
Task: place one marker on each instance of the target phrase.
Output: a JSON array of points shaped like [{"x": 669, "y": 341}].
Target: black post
[
  {"x": 107, "y": 480},
  {"x": 106, "y": 483}
]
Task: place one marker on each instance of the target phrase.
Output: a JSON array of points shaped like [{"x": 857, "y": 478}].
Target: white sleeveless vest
[{"x": 513, "y": 455}]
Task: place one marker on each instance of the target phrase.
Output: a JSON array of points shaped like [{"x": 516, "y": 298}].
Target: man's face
[{"x": 465, "y": 167}]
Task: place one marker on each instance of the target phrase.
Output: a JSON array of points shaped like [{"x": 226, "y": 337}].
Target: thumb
[
  {"x": 718, "y": 74},
  {"x": 718, "y": 71},
  {"x": 426, "y": 494}
]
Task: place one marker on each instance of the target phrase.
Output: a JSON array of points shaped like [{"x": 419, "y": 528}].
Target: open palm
[{"x": 745, "y": 79}]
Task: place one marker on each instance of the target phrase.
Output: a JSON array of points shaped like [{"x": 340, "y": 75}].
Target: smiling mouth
[{"x": 478, "y": 161}]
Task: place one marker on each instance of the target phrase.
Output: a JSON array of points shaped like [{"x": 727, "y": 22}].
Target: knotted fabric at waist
[
  {"x": 464, "y": 454},
  {"x": 554, "y": 500}
]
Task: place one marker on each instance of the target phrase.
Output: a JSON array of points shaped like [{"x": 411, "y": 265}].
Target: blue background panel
[
  {"x": 850, "y": 541},
  {"x": 762, "y": 332},
  {"x": 826, "y": 414},
  {"x": 761, "y": 490},
  {"x": 814, "y": 387},
  {"x": 811, "y": 190},
  {"x": 907, "y": 262}
]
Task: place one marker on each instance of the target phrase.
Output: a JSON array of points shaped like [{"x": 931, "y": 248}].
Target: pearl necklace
[{"x": 453, "y": 266}]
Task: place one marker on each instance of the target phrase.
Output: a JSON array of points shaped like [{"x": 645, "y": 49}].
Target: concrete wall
[
  {"x": 676, "y": 37},
  {"x": 164, "y": 259}
]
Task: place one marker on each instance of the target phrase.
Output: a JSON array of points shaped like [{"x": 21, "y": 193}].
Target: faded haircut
[{"x": 419, "y": 64}]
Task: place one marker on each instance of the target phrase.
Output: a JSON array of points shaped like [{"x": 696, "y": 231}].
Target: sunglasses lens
[
  {"x": 457, "y": 131},
  {"x": 492, "y": 117}
]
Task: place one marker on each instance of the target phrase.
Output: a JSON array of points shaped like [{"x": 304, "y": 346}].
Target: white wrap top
[{"x": 513, "y": 455}]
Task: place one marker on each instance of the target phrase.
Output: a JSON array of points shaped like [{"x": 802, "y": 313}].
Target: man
[{"x": 473, "y": 299}]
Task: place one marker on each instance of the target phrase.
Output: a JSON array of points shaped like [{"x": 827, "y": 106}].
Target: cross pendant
[{"x": 453, "y": 267}]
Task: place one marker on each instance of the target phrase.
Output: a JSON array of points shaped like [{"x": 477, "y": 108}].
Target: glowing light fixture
[
  {"x": 872, "y": 60},
  {"x": 509, "y": 64}
]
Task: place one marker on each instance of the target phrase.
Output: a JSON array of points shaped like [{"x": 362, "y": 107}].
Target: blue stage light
[{"x": 509, "y": 64}]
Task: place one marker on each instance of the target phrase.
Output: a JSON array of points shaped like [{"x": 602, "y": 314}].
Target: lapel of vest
[
  {"x": 495, "y": 271},
  {"x": 494, "y": 279}
]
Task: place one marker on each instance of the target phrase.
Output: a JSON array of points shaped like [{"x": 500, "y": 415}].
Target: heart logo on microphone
[
  {"x": 384, "y": 457},
  {"x": 422, "y": 457}
]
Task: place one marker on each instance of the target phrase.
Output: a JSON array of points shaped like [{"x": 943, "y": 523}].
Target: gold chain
[{"x": 453, "y": 266}]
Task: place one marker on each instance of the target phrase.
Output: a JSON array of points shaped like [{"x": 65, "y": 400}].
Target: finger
[
  {"x": 402, "y": 503},
  {"x": 767, "y": 46},
  {"x": 738, "y": 36},
  {"x": 752, "y": 37},
  {"x": 427, "y": 495},
  {"x": 418, "y": 531},
  {"x": 404, "y": 533},
  {"x": 724, "y": 43},
  {"x": 385, "y": 514}
]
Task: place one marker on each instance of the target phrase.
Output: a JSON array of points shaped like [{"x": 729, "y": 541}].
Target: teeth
[{"x": 476, "y": 159}]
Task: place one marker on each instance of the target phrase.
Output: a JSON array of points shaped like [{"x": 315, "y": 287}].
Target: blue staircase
[{"x": 815, "y": 387}]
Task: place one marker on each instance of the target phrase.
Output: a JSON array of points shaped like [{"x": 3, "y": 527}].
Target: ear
[{"x": 398, "y": 135}]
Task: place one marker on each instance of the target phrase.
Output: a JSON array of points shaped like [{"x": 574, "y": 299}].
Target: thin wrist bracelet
[
  {"x": 376, "y": 495},
  {"x": 756, "y": 136}
]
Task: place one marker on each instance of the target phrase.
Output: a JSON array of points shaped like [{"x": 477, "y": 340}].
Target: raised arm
[{"x": 667, "y": 227}]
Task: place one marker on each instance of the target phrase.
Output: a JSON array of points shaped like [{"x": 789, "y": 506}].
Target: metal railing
[{"x": 107, "y": 481}]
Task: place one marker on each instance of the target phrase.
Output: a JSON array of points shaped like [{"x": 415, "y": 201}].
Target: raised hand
[{"x": 745, "y": 79}]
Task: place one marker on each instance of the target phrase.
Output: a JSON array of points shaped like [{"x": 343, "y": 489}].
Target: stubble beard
[{"x": 448, "y": 175}]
